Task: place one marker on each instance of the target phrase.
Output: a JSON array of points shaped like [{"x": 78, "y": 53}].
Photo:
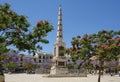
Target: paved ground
[{"x": 40, "y": 78}]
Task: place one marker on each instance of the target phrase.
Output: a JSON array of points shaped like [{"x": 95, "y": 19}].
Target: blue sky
[{"x": 79, "y": 16}]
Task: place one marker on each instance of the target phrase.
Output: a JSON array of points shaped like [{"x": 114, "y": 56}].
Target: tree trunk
[
  {"x": 99, "y": 75},
  {"x": 100, "y": 71},
  {"x": 1, "y": 73}
]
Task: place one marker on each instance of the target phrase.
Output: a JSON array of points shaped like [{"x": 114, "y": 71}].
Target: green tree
[
  {"x": 103, "y": 46},
  {"x": 29, "y": 66},
  {"x": 81, "y": 48},
  {"x": 14, "y": 31},
  {"x": 106, "y": 47},
  {"x": 70, "y": 66},
  {"x": 11, "y": 66}
]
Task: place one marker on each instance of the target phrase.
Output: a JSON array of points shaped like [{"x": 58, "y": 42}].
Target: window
[
  {"x": 46, "y": 57},
  {"x": 50, "y": 57},
  {"x": 68, "y": 60},
  {"x": 39, "y": 61},
  {"x": 60, "y": 63},
  {"x": 55, "y": 51},
  {"x": 40, "y": 57},
  {"x": 43, "y": 57},
  {"x": 61, "y": 51},
  {"x": 44, "y": 61}
]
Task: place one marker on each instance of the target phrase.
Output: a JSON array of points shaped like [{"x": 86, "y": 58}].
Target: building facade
[
  {"x": 44, "y": 60},
  {"x": 43, "y": 57}
]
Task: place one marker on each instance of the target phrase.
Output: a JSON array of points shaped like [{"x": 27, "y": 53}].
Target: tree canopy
[
  {"x": 14, "y": 30},
  {"x": 103, "y": 46}
]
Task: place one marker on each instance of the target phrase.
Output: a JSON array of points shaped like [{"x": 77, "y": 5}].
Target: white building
[
  {"x": 44, "y": 60},
  {"x": 43, "y": 57}
]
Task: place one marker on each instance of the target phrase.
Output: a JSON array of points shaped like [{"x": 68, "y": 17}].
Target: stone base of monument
[
  {"x": 67, "y": 75},
  {"x": 63, "y": 72},
  {"x": 58, "y": 71}
]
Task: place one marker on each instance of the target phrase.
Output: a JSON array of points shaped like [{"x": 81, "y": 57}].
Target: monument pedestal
[
  {"x": 64, "y": 72},
  {"x": 56, "y": 71}
]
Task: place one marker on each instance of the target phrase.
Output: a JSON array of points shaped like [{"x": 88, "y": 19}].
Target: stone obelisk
[{"x": 59, "y": 59}]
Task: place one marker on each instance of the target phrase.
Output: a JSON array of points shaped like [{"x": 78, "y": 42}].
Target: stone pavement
[{"x": 40, "y": 78}]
